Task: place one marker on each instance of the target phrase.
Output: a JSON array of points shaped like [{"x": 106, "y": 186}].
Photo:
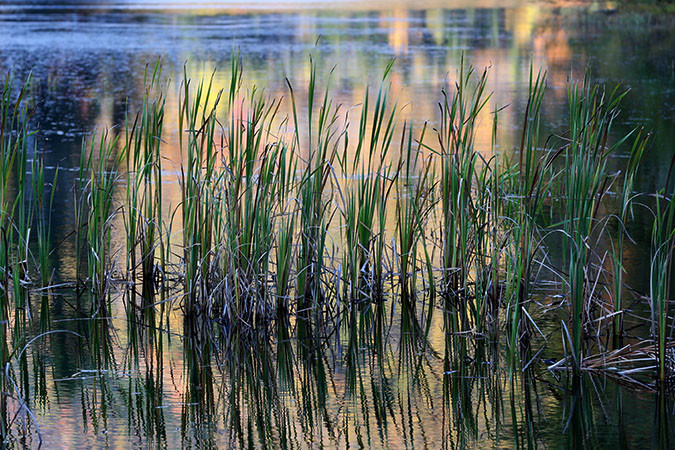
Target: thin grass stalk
[
  {"x": 663, "y": 247},
  {"x": 43, "y": 212},
  {"x": 625, "y": 209}
]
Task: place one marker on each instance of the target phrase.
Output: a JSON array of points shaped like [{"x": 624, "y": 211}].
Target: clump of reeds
[
  {"x": 99, "y": 165},
  {"x": 369, "y": 180},
  {"x": 414, "y": 204},
  {"x": 317, "y": 154},
  {"x": 265, "y": 198},
  {"x": 199, "y": 148},
  {"x": 15, "y": 218},
  {"x": 253, "y": 185},
  {"x": 95, "y": 210},
  {"x": 143, "y": 209},
  {"x": 529, "y": 189},
  {"x": 586, "y": 181},
  {"x": 460, "y": 110}
]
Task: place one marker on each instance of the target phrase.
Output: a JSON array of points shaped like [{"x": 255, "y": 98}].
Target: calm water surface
[{"x": 88, "y": 59}]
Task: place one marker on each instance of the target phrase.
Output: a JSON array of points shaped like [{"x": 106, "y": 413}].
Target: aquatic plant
[
  {"x": 15, "y": 232},
  {"x": 663, "y": 245},
  {"x": 197, "y": 118},
  {"x": 586, "y": 184},
  {"x": 143, "y": 209},
  {"x": 300, "y": 244},
  {"x": 624, "y": 212}
]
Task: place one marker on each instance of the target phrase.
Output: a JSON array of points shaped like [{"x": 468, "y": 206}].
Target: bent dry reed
[{"x": 305, "y": 242}]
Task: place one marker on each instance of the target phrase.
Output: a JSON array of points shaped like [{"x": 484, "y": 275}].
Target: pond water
[{"x": 167, "y": 388}]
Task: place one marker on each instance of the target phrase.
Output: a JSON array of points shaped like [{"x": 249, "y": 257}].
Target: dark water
[{"x": 88, "y": 60}]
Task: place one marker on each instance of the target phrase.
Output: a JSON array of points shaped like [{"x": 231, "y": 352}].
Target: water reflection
[{"x": 162, "y": 382}]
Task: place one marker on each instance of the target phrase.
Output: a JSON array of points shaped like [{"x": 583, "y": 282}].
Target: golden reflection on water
[
  {"x": 429, "y": 54},
  {"x": 416, "y": 84}
]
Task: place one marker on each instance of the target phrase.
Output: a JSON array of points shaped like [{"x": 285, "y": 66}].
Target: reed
[
  {"x": 285, "y": 235},
  {"x": 414, "y": 205},
  {"x": 143, "y": 209},
  {"x": 663, "y": 245},
  {"x": 370, "y": 178},
  {"x": 101, "y": 165},
  {"x": 43, "y": 213},
  {"x": 255, "y": 171},
  {"x": 586, "y": 181},
  {"x": 529, "y": 188},
  {"x": 20, "y": 239},
  {"x": 95, "y": 190},
  {"x": 317, "y": 154},
  {"x": 198, "y": 121},
  {"x": 460, "y": 112},
  {"x": 626, "y": 198},
  {"x": 15, "y": 230},
  {"x": 270, "y": 298}
]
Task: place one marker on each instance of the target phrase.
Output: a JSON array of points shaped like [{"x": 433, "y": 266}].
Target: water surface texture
[{"x": 166, "y": 387}]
